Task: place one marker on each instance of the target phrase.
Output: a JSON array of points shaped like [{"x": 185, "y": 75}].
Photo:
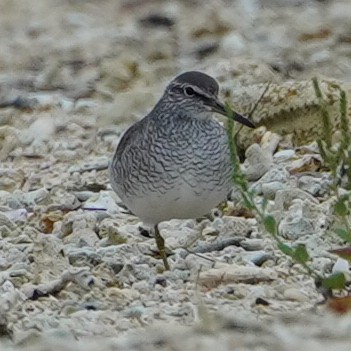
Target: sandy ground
[{"x": 73, "y": 75}]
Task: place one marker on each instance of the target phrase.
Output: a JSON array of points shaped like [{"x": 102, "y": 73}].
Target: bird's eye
[{"x": 189, "y": 91}]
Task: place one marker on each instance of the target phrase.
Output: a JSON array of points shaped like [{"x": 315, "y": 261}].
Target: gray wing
[{"x": 130, "y": 137}]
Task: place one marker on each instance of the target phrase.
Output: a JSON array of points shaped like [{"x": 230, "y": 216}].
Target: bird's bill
[
  {"x": 220, "y": 108},
  {"x": 243, "y": 120}
]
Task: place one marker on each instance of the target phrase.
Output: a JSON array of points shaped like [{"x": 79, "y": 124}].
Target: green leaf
[
  {"x": 335, "y": 281},
  {"x": 326, "y": 119},
  {"x": 341, "y": 209},
  {"x": 270, "y": 224},
  {"x": 343, "y": 234},
  {"x": 248, "y": 200},
  {"x": 286, "y": 249},
  {"x": 264, "y": 204},
  {"x": 300, "y": 254}
]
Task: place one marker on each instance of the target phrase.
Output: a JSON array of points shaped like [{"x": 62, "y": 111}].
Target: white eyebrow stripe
[{"x": 199, "y": 91}]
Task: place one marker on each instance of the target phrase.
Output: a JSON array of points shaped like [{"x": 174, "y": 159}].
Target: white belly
[
  {"x": 178, "y": 203},
  {"x": 180, "y": 171}
]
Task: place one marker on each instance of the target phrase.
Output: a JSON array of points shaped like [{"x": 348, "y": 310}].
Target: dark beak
[{"x": 220, "y": 108}]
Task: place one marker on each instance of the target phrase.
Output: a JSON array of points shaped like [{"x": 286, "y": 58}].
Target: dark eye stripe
[{"x": 177, "y": 90}]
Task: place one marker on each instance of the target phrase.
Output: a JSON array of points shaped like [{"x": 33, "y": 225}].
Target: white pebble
[{"x": 341, "y": 266}]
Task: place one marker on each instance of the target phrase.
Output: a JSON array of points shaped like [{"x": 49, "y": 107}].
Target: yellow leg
[{"x": 161, "y": 247}]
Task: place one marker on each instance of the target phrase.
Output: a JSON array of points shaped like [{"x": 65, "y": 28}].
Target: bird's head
[{"x": 196, "y": 94}]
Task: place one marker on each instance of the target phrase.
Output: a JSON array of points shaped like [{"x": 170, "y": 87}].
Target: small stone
[
  {"x": 39, "y": 131},
  {"x": 84, "y": 195},
  {"x": 284, "y": 155},
  {"x": 315, "y": 185},
  {"x": 18, "y": 215},
  {"x": 257, "y": 163},
  {"x": 308, "y": 163},
  {"x": 270, "y": 189},
  {"x": 321, "y": 56},
  {"x": 233, "y": 273},
  {"x": 341, "y": 266},
  {"x": 286, "y": 196},
  {"x": 256, "y": 257},
  {"x": 253, "y": 244},
  {"x": 10, "y": 178},
  {"x": 233, "y": 44},
  {"x": 94, "y": 164},
  {"x": 261, "y": 301},
  {"x": 274, "y": 176},
  {"x": 31, "y": 198},
  {"x": 102, "y": 201},
  {"x": 296, "y": 295},
  {"x": 82, "y": 105},
  {"x": 270, "y": 142},
  {"x": 301, "y": 218},
  {"x": 82, "y": 238}
]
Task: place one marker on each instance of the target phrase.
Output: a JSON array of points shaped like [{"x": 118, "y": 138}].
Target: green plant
[
  {"x": 337, "y": 158},
  {"x": 297, "y": 253}
]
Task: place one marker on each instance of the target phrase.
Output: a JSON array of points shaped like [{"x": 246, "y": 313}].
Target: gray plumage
[{"x": 175, "y": 162}]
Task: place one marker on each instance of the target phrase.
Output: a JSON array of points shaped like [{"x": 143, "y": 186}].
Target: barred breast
[{"x": 181, "y": 170}]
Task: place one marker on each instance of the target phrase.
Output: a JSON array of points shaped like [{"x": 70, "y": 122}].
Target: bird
[{"x": 175, "y": 162}]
